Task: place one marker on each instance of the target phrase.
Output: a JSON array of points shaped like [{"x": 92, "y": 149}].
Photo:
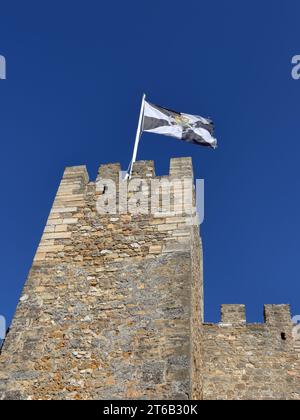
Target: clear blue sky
[{"x": 75, "y": 74}]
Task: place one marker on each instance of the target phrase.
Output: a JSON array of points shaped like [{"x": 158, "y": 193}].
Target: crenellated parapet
[
  {"x": 235, "y": 314},
  {"x": 158, "y": 211}
]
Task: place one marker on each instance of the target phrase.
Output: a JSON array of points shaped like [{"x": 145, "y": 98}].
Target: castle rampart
[{"x": 106, "y": 310}]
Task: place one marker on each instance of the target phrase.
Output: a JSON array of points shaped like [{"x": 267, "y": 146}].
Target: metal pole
[{"x": 137, "y": 137}]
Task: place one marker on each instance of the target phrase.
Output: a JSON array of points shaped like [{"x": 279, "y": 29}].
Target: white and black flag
[{"x": 190, "y": 128}]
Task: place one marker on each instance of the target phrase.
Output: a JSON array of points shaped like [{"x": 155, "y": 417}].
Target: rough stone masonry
[{"x": 113, "y": 309}]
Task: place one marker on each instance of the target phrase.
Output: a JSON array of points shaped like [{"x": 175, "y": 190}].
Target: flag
[{"x": 190, "y": 128}]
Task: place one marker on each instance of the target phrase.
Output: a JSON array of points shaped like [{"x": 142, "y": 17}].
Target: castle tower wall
[{"x": 112, "y": 305}]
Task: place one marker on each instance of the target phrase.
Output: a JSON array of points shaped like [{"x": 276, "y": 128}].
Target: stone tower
[{"x": 113, "y": 305}]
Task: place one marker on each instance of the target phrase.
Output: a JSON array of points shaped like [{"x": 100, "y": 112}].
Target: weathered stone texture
[
  {"x": 113, "y": 309},
  {"x": 251, "y": 361},
  {"x": 106, "y": 310}
]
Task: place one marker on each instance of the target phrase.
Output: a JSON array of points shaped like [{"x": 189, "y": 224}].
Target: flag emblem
[{"x": 191, "y": 128}]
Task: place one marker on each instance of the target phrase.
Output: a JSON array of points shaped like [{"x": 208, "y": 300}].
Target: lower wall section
[
  {"x": 250, "y": 361},
  {"x": 120, "y": 332}
]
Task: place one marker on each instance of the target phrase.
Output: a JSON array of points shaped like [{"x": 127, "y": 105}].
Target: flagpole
[{"x": 137, "y": 137}]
